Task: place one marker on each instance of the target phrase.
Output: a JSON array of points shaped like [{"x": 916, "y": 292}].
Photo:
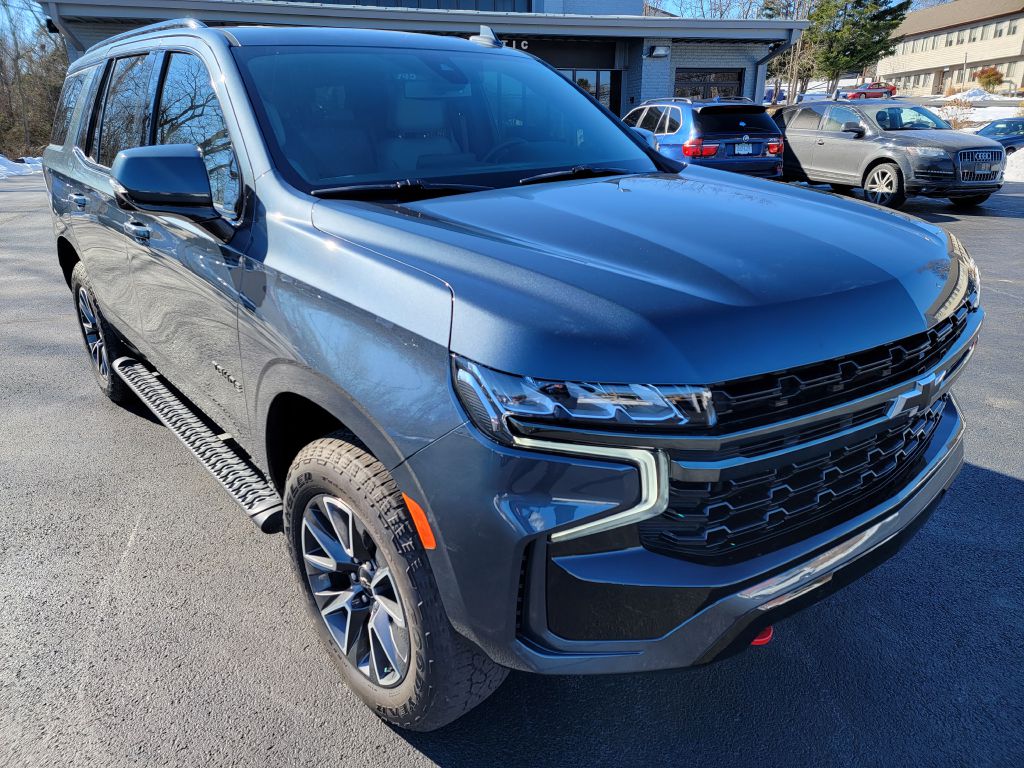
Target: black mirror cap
[
  {"x": 851, "y": 127},
  {"x": 169, "y": 179}
]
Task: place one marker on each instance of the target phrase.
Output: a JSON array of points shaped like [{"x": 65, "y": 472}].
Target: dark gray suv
[
  {"x": 425, "y": 306},
  {"x": 891, "y": 149}
]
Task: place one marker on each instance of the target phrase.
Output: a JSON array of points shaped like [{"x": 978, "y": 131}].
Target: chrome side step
[{"x": 240, "y": 479}]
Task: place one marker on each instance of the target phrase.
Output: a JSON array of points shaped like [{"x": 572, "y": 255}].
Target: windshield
[
  {"x": 346, "y": 116},
  {"x": 910, "y": 118}
]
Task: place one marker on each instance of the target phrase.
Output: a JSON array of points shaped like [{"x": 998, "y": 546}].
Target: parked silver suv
[{"x": 891, "y": 149}]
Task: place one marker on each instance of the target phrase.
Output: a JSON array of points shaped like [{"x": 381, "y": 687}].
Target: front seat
[{"x": 421, "y": 137}]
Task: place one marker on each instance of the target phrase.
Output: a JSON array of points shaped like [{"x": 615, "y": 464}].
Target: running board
[{"x": 240, "y": 479}]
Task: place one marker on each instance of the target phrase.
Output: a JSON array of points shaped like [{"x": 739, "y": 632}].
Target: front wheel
[
  {"x": 969, "y": 202},
  {"x": 884, "y": 186},
  {"x": 369, "y": 586}
]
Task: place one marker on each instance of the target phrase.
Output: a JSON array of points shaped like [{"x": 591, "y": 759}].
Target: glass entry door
[
  {"x": 605, "y": 85},
  {"x": 708, "y": 83}
]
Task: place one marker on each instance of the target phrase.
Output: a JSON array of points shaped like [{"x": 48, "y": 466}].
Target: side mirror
[
  {"x": 170, "y": 179},
  {"x": 855, "y": 128},
  {"x": 647, "y": 136}
]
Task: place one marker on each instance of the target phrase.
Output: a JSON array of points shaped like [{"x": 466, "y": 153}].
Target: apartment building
[{"x": 942, "y": 48}]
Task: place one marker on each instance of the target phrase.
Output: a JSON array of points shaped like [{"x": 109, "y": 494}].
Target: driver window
[{"x": 189, "y": 113}]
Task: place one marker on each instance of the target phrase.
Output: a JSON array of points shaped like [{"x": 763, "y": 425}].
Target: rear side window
[
  {"x": 69, "y": 97},
  {"x": 651, "y": 118},
  {"x": 734, "y": 121},
  {"x": 670, "y": 123},
  {"x": 807, "y": 119},
  {"x": 189, "y": 113},
  {"x": 125, "y": 107}
]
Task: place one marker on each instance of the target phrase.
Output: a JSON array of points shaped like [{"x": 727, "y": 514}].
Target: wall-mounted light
[{"x": 659, "y": 51}]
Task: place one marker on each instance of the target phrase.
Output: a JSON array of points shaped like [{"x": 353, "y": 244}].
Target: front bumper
[{"x": 537, "y": 605}]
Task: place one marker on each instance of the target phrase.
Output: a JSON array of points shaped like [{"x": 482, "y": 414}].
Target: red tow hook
[{"x": 764, "y": 636}]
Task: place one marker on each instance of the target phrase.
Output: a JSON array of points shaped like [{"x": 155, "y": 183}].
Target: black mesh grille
[
  {"x": 777, "y": 396},
  {"x": 738, "y": 518}
]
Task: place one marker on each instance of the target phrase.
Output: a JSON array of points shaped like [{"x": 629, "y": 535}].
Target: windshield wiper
[
  {"x": 402, "y": 188},
  {"x": 576, "y": 172}
]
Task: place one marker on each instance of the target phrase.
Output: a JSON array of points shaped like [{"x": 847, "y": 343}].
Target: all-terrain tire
[
  {"x": 447, "y": 674},
  {"x": 110, "y": 345}
]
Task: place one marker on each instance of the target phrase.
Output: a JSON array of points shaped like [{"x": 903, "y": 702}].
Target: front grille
[
  {"x": 739, "y": 518},
  {"x": 774, "y": 397},
  {"x": 990, "y": 161}
]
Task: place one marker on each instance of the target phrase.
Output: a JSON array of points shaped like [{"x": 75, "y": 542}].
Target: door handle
[
  {"x": 136, "y": 230},
  {"x": 78, "y": 199}
]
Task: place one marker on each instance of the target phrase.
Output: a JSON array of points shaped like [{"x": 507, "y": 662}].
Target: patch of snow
[
  {"x": 1014, "y": 167},
  {"x": 11, "y": 168},
  {"x": 974, "y": 94}
]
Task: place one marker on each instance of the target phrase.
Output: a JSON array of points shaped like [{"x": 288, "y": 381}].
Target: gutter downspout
[{"x": 73, "y": 45}]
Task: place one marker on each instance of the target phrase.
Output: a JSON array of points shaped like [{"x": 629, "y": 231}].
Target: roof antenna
[{"x": 486, "y": 37}]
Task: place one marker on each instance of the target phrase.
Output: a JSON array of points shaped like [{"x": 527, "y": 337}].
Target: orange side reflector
[{"x": 419, "y": 519}]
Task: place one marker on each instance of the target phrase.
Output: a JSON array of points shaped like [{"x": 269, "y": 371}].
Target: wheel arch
[
  {"x": 67, "y": 257},
  {"x": 296, "y": 406},
  {"x": 880, "y": 160}
]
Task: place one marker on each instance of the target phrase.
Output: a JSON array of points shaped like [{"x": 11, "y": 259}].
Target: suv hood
[
  {"x": 952, "y": 140},
  {"x": 687, "y": 279}
]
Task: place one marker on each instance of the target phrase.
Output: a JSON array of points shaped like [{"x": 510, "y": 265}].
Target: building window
[
  {"x": 935, "y": 42},
  {"x": 1012, "y": 30},
  {"x": 960, "y": 36},
  {"x": 973, "y": 35},
  {"x": 917, "y": 80},
  {"x": 986, "y": 31},
  {"x": 1000, "y": 29},
  {"x": 949, "y": 40},
  {"x": 708, "y": 83}
]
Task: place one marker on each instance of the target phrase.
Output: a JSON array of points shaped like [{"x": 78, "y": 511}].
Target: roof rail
[
  {"x": 157, "y": 27},
  {"x": 682, "y": 99}
]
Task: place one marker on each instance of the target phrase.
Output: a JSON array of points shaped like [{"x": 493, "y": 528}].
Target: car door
[
  {"x": 801, "y": 127},
  {"x": 840, "y": 156},
  {"x": 117, "y": 122},
  {"x": 185, "y": 278}
]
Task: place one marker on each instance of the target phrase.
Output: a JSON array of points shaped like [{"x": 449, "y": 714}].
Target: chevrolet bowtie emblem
[{"x": 911, "y": 401}]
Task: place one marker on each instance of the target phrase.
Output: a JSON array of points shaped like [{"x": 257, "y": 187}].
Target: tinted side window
[
  {"x": 650, "y": 121},
  {"x": 189, "y": 113},
  {"x": 671, "y": 122},
  {"x": 807, "y": 119},
  {"x": 69, "y": 97},
  {"x": 633, "y": 117},
  {"x": 125, "y": 107},
  {"x": 839, "y": 115}
]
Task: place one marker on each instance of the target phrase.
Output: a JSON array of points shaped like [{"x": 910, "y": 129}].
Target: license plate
[{"x": 744, "y": 149}]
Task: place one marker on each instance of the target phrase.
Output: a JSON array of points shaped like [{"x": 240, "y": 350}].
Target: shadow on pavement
[{"x": 916, "y": 663}]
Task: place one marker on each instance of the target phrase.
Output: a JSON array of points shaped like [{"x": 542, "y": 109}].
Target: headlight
[
  {"x": 493, "y": 398},
  {"x": 928, "y": 152}
]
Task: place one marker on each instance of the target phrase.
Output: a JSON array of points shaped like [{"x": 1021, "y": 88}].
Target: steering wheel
[{"x": 502, "y": 147}]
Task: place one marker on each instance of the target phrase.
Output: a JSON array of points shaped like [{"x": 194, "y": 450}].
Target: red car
[{"x": 877, "y": 90}]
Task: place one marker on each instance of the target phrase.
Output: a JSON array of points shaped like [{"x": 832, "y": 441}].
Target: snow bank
[
  {"x": 11, "y": 168},
  {"x": 1014, "y": 167},
  {"x": 975, "y": 94}
]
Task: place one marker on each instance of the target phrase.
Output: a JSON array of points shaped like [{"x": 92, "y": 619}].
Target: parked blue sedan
[{"x": 1008, "y": 132}]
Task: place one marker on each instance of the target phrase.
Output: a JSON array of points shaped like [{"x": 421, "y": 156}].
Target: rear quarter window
[
  {"x": 728, "y": 121},
  {"x": 69, "y": 97}
]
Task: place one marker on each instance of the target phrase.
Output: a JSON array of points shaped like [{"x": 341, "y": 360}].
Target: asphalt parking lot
[{"x": 145, "y": 621}]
